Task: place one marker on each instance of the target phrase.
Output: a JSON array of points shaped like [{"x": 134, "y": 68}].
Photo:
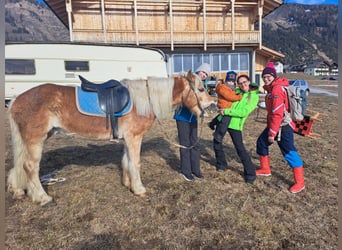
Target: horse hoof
[
  {"x": 46, "y": 200},
  {"x": 19, "y": 194},
  {"x": 142, "y": 195},
  {"x": 19, "y": 197},
  {"x": 51, "y": 203}
]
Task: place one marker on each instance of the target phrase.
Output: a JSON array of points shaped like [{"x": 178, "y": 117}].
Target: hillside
[
  {"x": 303, "y": 33},
  {"x": 30, "y": 21}
]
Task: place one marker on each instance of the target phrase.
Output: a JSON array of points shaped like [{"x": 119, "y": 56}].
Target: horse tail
[{"x": 17, "y": 178}]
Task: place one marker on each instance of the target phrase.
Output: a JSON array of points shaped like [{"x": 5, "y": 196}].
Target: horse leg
[
  {"x": 125, "y": 173},
  {"x": 35, "y": 189},
  {"x": 132, "y": 154},
  {"x": 25, "y": 173}
]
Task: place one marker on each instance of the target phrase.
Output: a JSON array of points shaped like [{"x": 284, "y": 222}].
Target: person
[
  {"x": 239, "y": 111},
  {"x": 225, "y": 97},
  {"x": 279, "y": 129},
  {"x": 187, "y": 128}
]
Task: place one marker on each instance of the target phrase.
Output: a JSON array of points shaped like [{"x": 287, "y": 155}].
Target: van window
[
  {"x": 76, "y": 65},
  {"x": 19, "y": 67}
]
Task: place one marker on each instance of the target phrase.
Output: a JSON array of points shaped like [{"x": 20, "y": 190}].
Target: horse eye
[{"x": 201, "y": 89}]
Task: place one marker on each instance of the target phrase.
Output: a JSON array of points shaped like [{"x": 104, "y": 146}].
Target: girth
[{"x": 113, "y": 97}]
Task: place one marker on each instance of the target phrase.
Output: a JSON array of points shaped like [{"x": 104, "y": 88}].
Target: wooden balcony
[{"x": 167, "y": 39}]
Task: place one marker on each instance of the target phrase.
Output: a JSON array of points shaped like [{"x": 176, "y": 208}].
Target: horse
[{"x": 47, "y": 109}]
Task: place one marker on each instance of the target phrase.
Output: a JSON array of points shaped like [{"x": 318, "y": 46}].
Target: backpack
[{"x": 297, "y": 102}]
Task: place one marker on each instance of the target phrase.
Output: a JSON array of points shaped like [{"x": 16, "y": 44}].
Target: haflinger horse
[{"x": 40, "y": 112}]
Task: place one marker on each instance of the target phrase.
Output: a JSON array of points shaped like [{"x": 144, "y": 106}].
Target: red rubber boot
[
  {"x": 265, "y": 168},
  {"x": 298, "y": 174}
]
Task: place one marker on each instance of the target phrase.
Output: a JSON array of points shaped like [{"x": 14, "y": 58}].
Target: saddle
[{"x": 113, "y": 98}]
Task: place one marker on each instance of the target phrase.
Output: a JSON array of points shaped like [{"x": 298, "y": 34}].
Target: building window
[
  {"x": 177, "y": 63},
  {"x": 76, "y": 65},
  {"x": 219, "y": 62},
  {"x": 225, "y": 62},
  {"x": 215, "y": 65},
  {"x": 20, "y": 67},
  {"x": 244, "y": 62},
  {"x": 234, "y": 62}
]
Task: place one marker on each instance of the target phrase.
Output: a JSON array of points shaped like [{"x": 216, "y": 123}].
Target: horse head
[{"x": 197, "y": 98}]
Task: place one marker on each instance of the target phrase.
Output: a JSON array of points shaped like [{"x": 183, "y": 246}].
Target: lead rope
[{"x": 202, "y": 118}]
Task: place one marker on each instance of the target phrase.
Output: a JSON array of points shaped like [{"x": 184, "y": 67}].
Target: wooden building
[
  {"x": 226, "y": 34},
  {"x": 321, "y": 68}
]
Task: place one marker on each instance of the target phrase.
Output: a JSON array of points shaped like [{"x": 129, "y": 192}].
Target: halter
[{"x": 193, "y": 88}]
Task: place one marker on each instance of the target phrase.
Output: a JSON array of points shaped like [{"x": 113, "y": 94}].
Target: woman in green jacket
[{"x": 239, "y": 112}]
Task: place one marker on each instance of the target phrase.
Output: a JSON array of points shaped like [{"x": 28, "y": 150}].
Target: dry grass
[{"x": 94, "y": 211}]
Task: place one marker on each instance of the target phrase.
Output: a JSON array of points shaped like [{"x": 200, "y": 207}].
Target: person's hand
[
  {"x": 221, "y": 111},
  {"x": 270, "y": 139}
]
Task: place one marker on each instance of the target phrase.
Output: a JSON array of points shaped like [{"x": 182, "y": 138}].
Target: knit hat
[
  {"x": 231, "y": 76},
  {"x": 270, "y": 70},
  {"x": 205, "y": 67}
]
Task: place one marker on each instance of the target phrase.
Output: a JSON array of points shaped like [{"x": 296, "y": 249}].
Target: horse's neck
[{"x": 160, "y": 96}]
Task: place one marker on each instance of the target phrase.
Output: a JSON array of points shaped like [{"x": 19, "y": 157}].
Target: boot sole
[
  {"x": 263, "y": 174},
  {"x": 297, "y": 191}
]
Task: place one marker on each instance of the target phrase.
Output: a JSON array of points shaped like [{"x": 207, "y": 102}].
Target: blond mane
[{"x": 152, "y": 96}]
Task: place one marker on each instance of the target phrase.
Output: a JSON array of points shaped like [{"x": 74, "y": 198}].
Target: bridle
[{"x": 193, "y": 88}]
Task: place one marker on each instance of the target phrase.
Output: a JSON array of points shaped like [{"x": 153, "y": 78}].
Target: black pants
[
  {"x": 189, "y": 158},
  {"x": 221, "y": 127},
  {"x": 221, "y": 162}
]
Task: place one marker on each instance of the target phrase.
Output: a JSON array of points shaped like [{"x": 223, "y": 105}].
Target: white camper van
[{"x": 29, "y": 65}]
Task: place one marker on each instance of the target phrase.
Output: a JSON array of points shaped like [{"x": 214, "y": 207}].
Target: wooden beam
[
  {"x": 171, "y": 25},
  {"x": 69, "y": 11},
  {"x": 260, "y": 13},
  {"x": 205, "y": 25},
  {"x": 233, "y": 26},
  {"x": 103, "y": 18},
  {"x": 136, "y": 22}
]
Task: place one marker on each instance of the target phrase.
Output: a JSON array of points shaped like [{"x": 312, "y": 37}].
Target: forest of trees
[{"x": 303, "y": 32}]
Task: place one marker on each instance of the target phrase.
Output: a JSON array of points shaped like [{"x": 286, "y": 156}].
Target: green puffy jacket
[{"x": 240, "y": 110}]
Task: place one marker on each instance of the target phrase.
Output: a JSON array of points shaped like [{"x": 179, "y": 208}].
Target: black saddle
[{"x": 113, "y": 98}]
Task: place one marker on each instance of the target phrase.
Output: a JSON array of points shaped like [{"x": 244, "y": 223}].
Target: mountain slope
[
  {"x": 30, "y": 21},
  {"x": 304, "y": 33}
]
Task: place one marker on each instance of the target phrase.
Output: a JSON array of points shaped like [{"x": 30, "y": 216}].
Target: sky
[
  {"x": 312, "y": 2},
  {"x": 307, "y": 2}
]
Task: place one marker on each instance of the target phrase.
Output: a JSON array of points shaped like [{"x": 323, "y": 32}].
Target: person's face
[
  {"x": 268, "y": 79},
  {"x": 243, "y": 84},
  {"x": 231, "y": 83},
  {"x": 202, "y": 75}
]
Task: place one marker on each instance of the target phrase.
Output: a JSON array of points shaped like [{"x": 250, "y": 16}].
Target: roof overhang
[{"x": 270, "y": 53}]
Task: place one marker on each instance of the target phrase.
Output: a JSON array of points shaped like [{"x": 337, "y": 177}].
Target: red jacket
[
  {"x": 225, "y": 96},
  {"x": 276, "y": 100}
]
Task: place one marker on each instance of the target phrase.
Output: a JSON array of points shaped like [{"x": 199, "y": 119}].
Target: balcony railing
[{"x": 165, "y": 38}]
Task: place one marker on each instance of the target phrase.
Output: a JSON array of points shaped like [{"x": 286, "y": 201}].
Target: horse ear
[{"x": 190, "y": 76}]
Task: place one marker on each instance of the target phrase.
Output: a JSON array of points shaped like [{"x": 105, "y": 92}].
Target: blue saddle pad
[{"x": 88, "y": 103}]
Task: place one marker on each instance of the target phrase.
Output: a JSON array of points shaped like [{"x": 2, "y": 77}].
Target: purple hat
[{"x": 270, "y": 70}]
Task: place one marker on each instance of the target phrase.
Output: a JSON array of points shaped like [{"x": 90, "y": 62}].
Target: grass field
[{"x": 94, "y": 211}]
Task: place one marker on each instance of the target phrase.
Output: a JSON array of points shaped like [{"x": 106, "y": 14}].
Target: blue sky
[
  {"x": 308, "y": 2},
  {"x": 312, "y": 2},
  {"x": 297, "y": 1}
]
